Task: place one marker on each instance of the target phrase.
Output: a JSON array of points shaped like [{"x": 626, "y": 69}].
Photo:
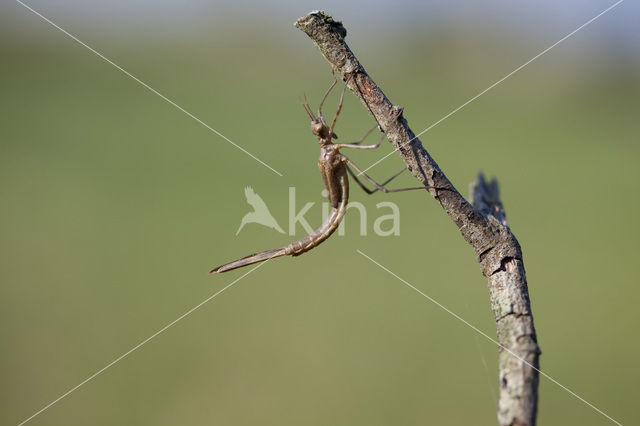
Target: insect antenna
[{"x": 307, "y": 108}]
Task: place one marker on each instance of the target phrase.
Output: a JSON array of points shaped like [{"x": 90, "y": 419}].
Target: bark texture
[
  {"x": 483, "y": 225},
  {"x": 514, "y": 321}
]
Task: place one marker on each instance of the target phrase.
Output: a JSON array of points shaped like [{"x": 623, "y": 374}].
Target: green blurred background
[{"x": 116, "y": 204}]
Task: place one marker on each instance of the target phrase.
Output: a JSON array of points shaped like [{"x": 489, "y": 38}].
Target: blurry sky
[{"x": 522, "y": 18}]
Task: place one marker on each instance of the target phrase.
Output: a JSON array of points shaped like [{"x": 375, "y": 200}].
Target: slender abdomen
[
  {"x": 320, "y": 234},
  {"x": 298, "y": 247},
  {"x": 249, "y": 260}
]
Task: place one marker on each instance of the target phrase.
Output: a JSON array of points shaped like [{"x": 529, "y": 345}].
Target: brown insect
[{"x": 334, "y": 167}]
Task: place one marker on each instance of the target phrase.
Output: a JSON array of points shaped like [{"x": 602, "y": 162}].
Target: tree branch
[
  {"x": 511, "y": 308},
  {"x": 484, "y": 226}
]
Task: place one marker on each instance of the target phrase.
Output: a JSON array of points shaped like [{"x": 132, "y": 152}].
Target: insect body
[{"x": 334, "y": 168}]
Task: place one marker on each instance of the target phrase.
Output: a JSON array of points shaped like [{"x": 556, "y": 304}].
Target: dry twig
[{"x": 483, "y": 225}]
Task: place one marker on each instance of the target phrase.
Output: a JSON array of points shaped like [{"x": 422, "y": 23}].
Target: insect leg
[
  {"x": 378, "y": 186},
  {"x": 363, "y": 186},
  {"x": 335, "y": 81},
  {"x": 335, "y": 118}
]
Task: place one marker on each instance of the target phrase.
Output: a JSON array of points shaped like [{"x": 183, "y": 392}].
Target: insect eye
[{"x": 316, "y": 128}]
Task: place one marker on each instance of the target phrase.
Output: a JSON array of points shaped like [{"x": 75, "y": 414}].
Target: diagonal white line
[
  {"x": 482, "y": 333},
  {"x": 145, "y": 85},
  {"x": 495, "y": 84},
  {"x": 91, "y": 377}
]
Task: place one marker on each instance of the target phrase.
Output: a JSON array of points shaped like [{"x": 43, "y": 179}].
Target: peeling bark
[{"x": 483, "y": 225}]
